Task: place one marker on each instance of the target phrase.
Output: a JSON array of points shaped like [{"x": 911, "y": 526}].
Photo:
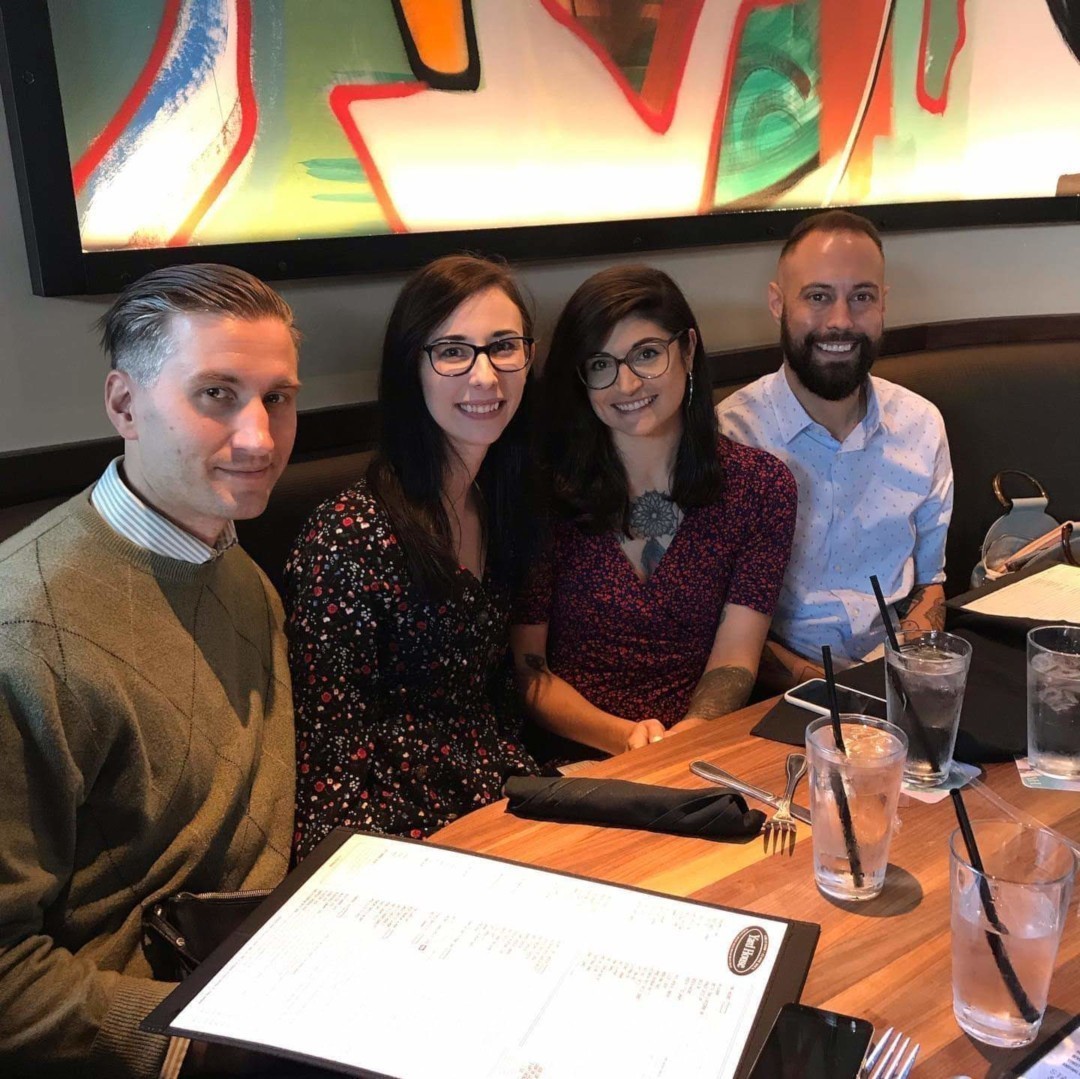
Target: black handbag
[{"x": 180, "y": 931}]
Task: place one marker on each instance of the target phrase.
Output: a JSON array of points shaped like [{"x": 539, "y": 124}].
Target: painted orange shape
[{"x": 438, "y": 32}]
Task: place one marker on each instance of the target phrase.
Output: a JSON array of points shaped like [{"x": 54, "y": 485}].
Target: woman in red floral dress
[{"x": 648, "y": 611}]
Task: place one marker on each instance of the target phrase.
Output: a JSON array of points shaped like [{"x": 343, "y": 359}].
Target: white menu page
[
  {"x": 1053, "y": 596},
  {"x": 1061, "y": 1062},
  {"x": 414, "y": 961}
]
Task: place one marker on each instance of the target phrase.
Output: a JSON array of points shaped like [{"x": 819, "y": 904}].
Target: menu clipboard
[{"x": 394, "y": 959}]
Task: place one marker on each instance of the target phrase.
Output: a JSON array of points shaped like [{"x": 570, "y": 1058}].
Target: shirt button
[{"x": 836, "y": 569}]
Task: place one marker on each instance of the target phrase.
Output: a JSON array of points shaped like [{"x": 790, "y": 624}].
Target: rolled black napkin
[{"x": 713, "y": 813}]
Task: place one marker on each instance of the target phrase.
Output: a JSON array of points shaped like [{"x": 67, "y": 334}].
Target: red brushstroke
[
  {"x": 674, "y": 62},
  {"x": 849, "y": 36},
  {"x": 341, "y": 99},
  {"x": 96, "y": 151},
  {"x": 249, "y": 121},
  {"x": 712, "y": 163},
  {"x": 927, "y": 100}
]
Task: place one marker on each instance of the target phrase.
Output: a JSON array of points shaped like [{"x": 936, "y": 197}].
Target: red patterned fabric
[{"x": 638, "y": 648}]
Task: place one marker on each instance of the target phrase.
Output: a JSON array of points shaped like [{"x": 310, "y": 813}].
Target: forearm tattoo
[
  {"x": 906, "y": 609},
  {"x": 720, "y": 691},
  {"x": 535, "y": 663},
  {"x": 655, "y": 518}
]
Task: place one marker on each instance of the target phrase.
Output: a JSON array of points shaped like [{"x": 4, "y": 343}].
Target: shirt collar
[
  {"x": 792, "y": 419},
  {"x": 124, "y": 512}
]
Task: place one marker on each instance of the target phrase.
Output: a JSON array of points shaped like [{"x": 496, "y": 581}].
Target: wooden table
[{"x": 887, "y": 959}]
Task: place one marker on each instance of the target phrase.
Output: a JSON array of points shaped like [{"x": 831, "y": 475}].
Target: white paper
[
  {"x": 960, "y": 775},
  {"x": 1051, "y": 596},
  {"x": 1030, "y": 777},
  {"x": 417, "y": 962},
  {"x": 1062, "y": 1062}
]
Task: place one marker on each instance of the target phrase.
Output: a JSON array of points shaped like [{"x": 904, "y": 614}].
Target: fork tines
[
  {"x": 782, "y": 832},
  {"x": 892, "y": 1058}
]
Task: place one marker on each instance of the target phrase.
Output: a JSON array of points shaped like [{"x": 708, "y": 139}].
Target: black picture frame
[{"x": 59, "y": 266}]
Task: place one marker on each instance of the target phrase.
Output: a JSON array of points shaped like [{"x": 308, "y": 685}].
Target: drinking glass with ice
[
  {"x": 863, "y": 784},
  {"x": 1053, "y": 700},
  {"x": 925, "y": 680},
  {"x": 1027, "y": 875}
]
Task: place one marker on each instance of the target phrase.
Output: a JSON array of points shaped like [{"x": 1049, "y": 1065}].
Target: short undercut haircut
[
  {"x": 831, "y": 221},
  {"x": 135, "y": 331}
]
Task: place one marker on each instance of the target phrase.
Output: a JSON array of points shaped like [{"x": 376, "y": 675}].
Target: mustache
[{"x": 836, "y": 337}]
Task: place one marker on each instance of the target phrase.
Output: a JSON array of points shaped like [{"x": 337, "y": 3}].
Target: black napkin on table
[
  {"x": 713, "y": 813},
  {"x": 993, "y": 720}
]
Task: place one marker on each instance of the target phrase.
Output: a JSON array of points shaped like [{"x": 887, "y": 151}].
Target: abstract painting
[{"x": 219, "y": 121}]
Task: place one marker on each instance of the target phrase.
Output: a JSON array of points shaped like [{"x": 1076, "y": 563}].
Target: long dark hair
[
  {"x": 585, "y": 477},
  {"x": 410, "y": 466}
]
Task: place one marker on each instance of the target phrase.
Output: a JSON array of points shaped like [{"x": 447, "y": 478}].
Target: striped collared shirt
[{"x": 124, "y": 512}]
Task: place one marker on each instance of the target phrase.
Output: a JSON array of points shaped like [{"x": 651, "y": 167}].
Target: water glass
[
  {"x": 860, "y": 788},
  {"x": 1053, "y": 700},
  {"x": 924, "y": 692},
  {"x": 1027, "y": 877}
]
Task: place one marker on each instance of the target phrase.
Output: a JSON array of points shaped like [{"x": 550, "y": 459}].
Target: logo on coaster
[{"x": 748, "y": 950}]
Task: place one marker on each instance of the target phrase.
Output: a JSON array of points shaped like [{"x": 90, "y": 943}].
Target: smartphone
[
  {"x": 808, "y": 1043},
  {"x": 814, "y": 697}
]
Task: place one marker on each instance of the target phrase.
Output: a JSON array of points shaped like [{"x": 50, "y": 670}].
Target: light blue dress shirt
[{"x": 878, "y": 502}]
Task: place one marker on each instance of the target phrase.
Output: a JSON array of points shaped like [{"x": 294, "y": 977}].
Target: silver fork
[
  {"x": 781, "y": 825},
  {"x": 892, "y": 1058}
]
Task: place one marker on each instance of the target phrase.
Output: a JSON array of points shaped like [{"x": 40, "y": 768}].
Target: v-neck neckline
[{"x": 644, "y": 582}]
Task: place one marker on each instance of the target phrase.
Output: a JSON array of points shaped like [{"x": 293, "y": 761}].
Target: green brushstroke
[
  {"x": 771, "y": 130},
  {"x": 943, "y": 32},
  {"x": 342, "y": 170},
  {"x": 351, "y": 197}
]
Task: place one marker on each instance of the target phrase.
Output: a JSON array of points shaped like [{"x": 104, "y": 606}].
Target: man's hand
[
  {"x": 781, "y": 669},
  {"x": 644, "y": 732},
  {"x": 924, "y": 609}
]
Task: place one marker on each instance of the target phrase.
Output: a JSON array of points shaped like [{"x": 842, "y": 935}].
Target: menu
[
  {"x": 1052, "y": 595},
  {"x": 1059, "y": 1058},
  {"x": 396, "y": 958}
]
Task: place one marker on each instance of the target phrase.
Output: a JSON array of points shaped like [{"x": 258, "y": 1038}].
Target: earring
[{"x": 690, "y": 392}]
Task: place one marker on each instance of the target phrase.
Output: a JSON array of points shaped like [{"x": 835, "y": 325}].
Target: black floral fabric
[{"x": 406, "y": 714}]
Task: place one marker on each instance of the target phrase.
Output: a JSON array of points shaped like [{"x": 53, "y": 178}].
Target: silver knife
[{"x": 726, "y": 779}]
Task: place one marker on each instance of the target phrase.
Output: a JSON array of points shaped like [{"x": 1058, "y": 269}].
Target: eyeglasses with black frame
[
  {"x": 647, "y": 359},
  {"x": 454, "y": 358}
]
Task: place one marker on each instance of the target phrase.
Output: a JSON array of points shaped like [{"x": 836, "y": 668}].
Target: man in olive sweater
[{"x": 145, "y": 708}]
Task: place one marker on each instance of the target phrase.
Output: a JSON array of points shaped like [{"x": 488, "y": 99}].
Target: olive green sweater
[{"x": 146, "y": 747}]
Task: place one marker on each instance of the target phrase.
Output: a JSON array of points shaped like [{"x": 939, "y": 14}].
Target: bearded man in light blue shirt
[{"x": 870, "y": 458}]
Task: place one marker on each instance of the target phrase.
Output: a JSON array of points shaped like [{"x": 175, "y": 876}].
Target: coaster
[
  {"x": 1030, "y": 778},
  {"x": 960, "y": 775}
]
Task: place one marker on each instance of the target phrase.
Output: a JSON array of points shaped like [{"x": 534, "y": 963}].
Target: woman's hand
[
  {"x": 644, "y": 732},
  {"x": 686, "y": 724}
]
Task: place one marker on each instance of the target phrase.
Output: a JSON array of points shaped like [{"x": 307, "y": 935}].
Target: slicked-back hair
[
  {"x": 831, "y": 221},
  {"x": 410, "y": 467},
  {"x": 135, "y": 331},
  {"x": 586, "y": 480}
]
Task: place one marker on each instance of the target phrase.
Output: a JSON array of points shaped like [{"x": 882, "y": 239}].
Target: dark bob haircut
[
  {"x": 586, "y": 479},
  {"x": 410, "y": 467}
]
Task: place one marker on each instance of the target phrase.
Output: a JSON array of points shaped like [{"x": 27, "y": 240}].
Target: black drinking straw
[
  {"x": 1001, "y": 958},
  {"x": 875, "y": 584},
  {"x": 836, "y": 781}
]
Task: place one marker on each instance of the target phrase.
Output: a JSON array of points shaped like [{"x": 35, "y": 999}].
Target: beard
[{"x": 832, "y": 379}]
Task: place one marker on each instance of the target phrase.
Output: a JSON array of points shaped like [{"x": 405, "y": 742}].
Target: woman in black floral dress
[{"x": 398, "y": 590}]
